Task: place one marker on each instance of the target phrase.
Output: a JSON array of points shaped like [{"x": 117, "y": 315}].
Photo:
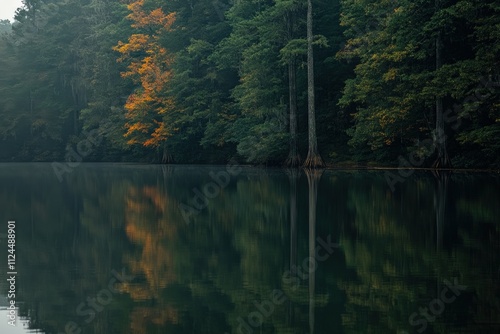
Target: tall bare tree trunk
[
  {"x": 442, "y": 160},
  {"x": 293, "y": 159},
  {"x": 313, "y": 159}
]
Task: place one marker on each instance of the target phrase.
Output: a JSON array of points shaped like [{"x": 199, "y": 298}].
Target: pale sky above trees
[{"x": 8, "y": 9}]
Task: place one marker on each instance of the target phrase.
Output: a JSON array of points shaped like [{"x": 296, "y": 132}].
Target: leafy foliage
[{"x": 204, "y": 81}]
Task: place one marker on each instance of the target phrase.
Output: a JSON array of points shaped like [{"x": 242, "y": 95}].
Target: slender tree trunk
[
  {"x": 442, "y": 160},
  {"x": 75, "y": 121},
  {"x": 293, "y": 159},
  {"x": 31, "y": 113},
  {"x": 313, "y": 159},
  {"x": 165, "y": 156}
]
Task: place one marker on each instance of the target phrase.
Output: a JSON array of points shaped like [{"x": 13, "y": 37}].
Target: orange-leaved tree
[{"x": 149, "y": 66}]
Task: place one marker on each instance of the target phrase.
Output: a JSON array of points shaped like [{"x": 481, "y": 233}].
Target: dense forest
[{"x": 388, "y": 83}]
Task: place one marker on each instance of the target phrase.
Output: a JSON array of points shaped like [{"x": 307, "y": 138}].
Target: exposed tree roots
[
  {"x": 442, "y": 162},
  {"x": 313, "y": 161},
  {"x": 293, "y": 161}
]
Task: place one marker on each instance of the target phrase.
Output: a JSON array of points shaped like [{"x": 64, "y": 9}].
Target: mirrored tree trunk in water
[
  {"x": 293, "y": 177},
  {"x": 313, "y": 177},
  {"x": 442, "y": 180},
  {"x": 440, "y": 196}
]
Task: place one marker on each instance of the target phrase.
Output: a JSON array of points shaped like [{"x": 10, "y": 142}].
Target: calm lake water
[{"x": 184, "y": 249}]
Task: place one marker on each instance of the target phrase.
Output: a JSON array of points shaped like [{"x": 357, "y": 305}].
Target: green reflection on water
[{"x": 224, "y": 271}]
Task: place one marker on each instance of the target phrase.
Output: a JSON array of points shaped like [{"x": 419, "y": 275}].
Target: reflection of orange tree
[{"x": 148, "y": 226}]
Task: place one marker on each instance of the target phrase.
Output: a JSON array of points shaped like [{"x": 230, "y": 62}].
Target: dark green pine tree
[{"x": 260, "y": 125}]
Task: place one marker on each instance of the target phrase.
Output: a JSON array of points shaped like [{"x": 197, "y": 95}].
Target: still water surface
[{"x": 185, "y": 249}]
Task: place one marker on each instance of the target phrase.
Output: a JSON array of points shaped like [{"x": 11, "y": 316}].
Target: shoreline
[{"x": 327, "y": 167}]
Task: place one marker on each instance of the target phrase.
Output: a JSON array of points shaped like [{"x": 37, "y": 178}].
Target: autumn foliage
[
  {"x": 149, "y": 66},
  {"x": 149, "y": 226}
]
